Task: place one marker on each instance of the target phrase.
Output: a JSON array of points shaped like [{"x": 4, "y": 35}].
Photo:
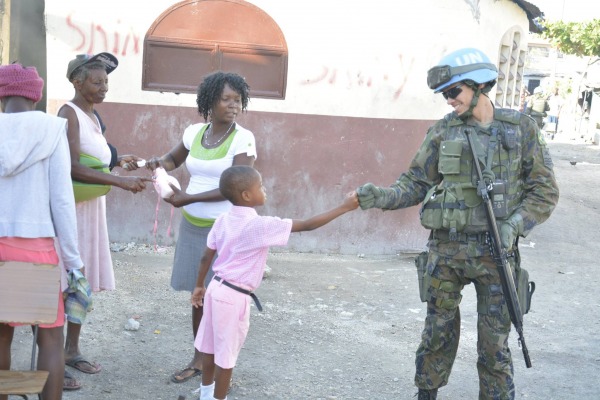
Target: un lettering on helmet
[{"x": 473, "y": 57}]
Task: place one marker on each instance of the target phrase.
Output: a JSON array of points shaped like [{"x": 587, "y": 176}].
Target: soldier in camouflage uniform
[
  {"x": 537, "y": 105},
  {"x": 514, "y": 159}
]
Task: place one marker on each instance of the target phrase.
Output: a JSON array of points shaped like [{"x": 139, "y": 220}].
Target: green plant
[{"x": 577, "y": 38}]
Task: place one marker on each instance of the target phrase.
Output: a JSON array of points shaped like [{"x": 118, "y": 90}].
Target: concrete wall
[
  {"x": 23, "y": 36},
  {"x": 357, "y": 105}
]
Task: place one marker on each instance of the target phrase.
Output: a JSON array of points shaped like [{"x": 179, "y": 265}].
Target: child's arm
[
  {"x": 198, "y": 293},
  {"x": 350, "y": 203}
]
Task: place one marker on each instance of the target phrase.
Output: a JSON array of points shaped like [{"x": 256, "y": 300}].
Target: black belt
[
  {"x": 241, "y": 290},
  {"x": 480, "y": 237}
]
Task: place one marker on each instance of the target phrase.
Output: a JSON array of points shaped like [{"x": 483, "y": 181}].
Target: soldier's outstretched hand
[{"x": 369, "y": 195}]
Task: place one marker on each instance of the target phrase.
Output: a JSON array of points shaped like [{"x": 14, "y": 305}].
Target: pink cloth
[
  {"x": 242, "y": 239},
  {"x": 224, "y": 324},
  {"x": 23, "y": 250},
  {"x": 92, "y": 228}
]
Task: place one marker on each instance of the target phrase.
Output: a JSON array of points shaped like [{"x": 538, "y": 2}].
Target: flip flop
[
  {"x": 70, "y": 383},
  {"x": 195, "y": 372},
  {"x": 77, "y": 361}
]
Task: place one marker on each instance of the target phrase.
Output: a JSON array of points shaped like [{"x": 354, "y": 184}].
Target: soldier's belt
[{"x": 443, "y": 235}]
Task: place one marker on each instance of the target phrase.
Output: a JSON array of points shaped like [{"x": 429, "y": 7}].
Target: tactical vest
[
  {"x": 539, "y": 106},
  {"x": 454, "y": 204}
]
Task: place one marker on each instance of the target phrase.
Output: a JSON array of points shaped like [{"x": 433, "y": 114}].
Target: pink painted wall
[
  {"x": 308, "y": 164},
  {"x": 310, "y": 151}
]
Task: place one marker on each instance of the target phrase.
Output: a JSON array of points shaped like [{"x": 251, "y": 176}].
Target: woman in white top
[{"x": 207, "y": 150}]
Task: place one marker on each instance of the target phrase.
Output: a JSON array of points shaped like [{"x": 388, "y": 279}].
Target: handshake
[{"x": 371, "y": 196}]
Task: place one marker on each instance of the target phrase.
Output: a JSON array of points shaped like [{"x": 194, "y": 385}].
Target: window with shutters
[{"x": 196, "y": 37}]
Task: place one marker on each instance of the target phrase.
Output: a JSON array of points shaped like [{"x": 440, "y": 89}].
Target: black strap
[{"x": 241, "y": 290}]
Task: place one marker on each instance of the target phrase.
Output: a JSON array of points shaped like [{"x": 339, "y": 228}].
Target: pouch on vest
[
  {"x": 454, "y": 210},
  {"x": 431, "y": 210},
  {"x": 422, "y": 275},
  {"x": 449, "y": 208},
  {"x": 450, "y": 152}
]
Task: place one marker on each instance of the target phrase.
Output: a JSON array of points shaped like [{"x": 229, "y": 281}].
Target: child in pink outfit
[{"x": 242, "y": 239}]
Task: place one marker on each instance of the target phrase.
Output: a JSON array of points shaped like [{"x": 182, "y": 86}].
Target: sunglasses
[{"x": 452, "y": 93}]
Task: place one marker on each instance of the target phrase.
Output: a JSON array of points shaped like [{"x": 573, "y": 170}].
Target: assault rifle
[{"x": 500, "y": 257}]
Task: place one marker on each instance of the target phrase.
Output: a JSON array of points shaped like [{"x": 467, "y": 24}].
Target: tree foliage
[{"x": 577, "y": 38}]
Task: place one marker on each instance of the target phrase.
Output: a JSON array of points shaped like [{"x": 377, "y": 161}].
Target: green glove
[
  {"x": 370, "y": 196},
  {"x": 510, "y": 229}
]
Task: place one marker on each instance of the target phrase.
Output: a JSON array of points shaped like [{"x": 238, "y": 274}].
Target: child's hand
[
  {"x": 351, "y": 201},
  {"x": 197, "y": 299}
]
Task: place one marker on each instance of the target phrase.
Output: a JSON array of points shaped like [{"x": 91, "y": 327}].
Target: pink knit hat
[{"x": 16, "y": 80}]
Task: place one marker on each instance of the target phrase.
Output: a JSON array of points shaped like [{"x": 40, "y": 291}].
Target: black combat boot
[{"x": 427, "y": 394}]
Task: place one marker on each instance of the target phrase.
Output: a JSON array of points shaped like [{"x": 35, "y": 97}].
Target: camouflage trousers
[{"x": 439, "y": 340}]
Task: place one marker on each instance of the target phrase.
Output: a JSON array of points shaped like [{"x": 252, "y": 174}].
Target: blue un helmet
[{"x": 468, "y": 64}]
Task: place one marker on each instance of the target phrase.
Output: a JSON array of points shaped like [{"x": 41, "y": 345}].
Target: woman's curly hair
[{"x": 211, "y": 89}]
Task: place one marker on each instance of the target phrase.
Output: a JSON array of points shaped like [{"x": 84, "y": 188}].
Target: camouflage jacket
[{"x": 527, "y": 165}]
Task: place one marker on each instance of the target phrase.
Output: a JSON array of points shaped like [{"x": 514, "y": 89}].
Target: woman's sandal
[{"x": 70, "y": 383}]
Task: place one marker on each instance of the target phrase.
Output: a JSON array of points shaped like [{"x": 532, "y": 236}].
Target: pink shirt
[{"x": 242, "y": 239}]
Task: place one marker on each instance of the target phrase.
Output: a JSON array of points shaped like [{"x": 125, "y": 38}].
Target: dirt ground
[{"x": 347, "y": 327}]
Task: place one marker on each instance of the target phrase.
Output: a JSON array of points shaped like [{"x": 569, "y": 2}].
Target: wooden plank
[
  {"x": 22, "y": 382},
  {"x": 28, "y": 292}
]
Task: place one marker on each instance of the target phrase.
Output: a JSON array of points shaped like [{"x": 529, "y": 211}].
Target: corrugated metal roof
[{"x": 533, "y": 12}]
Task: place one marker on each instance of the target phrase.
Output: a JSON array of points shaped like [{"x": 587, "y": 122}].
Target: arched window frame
[{"x": 196, "y": 37}]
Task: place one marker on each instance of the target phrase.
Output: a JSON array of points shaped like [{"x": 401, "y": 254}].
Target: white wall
[{"x": 346, "y": 57}]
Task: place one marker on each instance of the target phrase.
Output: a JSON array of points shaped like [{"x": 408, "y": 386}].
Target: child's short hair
[{"x": 234, "y": 180}]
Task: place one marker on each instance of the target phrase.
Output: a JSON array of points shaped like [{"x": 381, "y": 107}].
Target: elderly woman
[
  {"x": 36, "y": 205},
  {"x": 89, "y": 76},
  {"x": 207, "y": 150}
]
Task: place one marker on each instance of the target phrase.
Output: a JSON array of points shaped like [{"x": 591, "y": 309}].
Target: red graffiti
[
  {"x": 92, "y": 35},
  {"x": 98, "y": 39},
  {"x": 405, "y": 74},
  {"x": 70, "y": 24},
  {"x": 318, "y": 78},
  {"x": 330, "y": 76}
]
